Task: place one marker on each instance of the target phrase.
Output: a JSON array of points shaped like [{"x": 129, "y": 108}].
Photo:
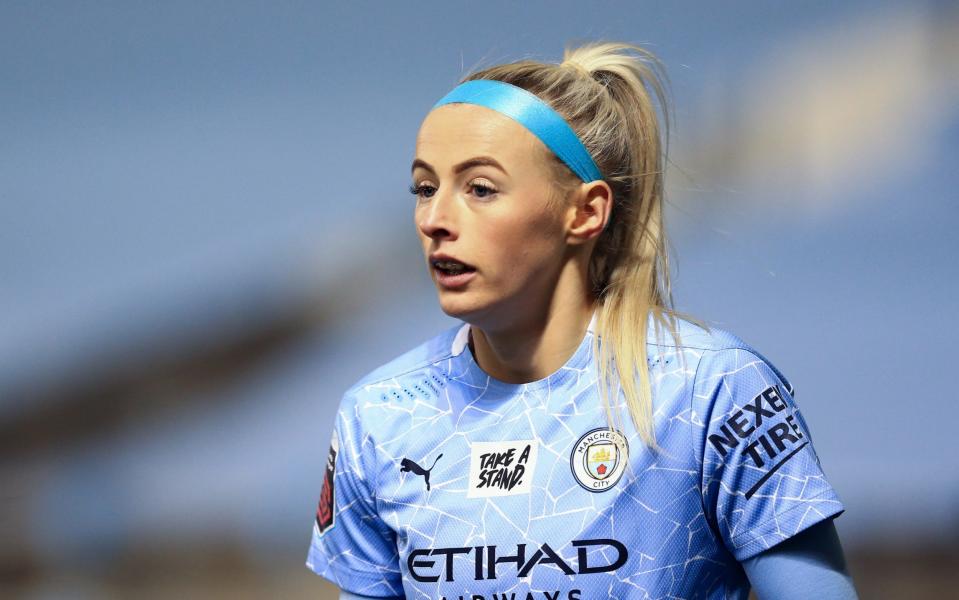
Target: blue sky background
[{"x": 173, "y": 170}]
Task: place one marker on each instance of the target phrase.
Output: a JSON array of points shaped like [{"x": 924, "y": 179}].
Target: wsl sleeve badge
[
  {"x": 325, "y": 512},
  {"x": 598, "y": 459}
]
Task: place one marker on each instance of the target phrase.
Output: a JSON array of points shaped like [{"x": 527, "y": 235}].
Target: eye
[
  {"x": 482, "y": 190},
  {"x": 421, "y": 190}
]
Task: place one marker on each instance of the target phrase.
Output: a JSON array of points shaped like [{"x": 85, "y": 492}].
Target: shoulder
[
  {"x": 712, "y": 349},
  {"x": 413, "y": 362},
  {"x": 690, "y": 333},
  {"x": 389, "y": 399}
]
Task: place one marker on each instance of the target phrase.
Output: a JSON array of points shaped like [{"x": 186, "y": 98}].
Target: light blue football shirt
[{"x": 443, "y": 482}]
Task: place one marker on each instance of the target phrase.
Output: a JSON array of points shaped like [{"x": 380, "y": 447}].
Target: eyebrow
[{"x": 477, "y": 161}]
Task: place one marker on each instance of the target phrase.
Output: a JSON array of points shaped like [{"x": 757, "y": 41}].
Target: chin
[{"x": 462, "y": 307}]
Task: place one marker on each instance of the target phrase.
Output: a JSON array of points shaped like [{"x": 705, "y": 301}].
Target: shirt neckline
[{"x": 573, "y": 366}]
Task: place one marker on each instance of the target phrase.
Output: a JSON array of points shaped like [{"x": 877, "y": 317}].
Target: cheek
[{"x": 523, "y": 244}]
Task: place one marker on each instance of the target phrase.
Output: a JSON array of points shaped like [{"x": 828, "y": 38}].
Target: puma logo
[{"x": 407, "y": 465}]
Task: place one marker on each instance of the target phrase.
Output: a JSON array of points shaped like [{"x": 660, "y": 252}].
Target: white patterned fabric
[{"x": 443, "y": 482}]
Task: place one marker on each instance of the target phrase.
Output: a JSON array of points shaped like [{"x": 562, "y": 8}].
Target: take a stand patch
[
  {"x": 501, "y": 468},
  {"x": 598, "y": 459}
]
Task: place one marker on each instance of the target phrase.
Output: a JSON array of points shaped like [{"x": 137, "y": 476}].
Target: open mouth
[
  {"x": 451, "y": 273},
  {"x": 451, "y": 267}
]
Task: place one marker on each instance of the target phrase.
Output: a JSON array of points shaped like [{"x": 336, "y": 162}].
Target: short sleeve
[
  {"x": 351, "y": 545},
  {"x": 761, "y": 478}
]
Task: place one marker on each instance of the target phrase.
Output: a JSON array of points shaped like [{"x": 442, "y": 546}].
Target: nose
[{"x": 436, "y": 218}]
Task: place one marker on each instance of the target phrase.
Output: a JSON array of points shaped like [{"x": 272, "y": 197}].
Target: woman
[{"x": 495, "y": 460}]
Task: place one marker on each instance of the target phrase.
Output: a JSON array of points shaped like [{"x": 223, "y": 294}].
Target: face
[{"x": 493, "y": 242}]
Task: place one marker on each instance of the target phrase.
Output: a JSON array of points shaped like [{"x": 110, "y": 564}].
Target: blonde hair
[{"x": 606, "y": 95}]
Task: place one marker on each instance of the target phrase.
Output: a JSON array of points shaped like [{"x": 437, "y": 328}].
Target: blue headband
[{"x": 533, "y": 114}]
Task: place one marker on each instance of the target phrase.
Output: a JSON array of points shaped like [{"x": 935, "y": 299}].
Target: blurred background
[{"x": 205, "y": 238}]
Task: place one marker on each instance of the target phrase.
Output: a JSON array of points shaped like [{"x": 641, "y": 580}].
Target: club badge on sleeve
[{"x": 325, "y": 511}]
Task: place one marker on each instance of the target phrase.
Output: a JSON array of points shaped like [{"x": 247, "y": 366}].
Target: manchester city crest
[{"x": 599, "y": 458}]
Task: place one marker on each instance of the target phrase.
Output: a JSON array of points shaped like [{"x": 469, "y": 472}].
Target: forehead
[{"x": 453, "y": 132}]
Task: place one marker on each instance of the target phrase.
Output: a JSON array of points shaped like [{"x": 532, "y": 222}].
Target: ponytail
[{"x": 607, "y": 96}]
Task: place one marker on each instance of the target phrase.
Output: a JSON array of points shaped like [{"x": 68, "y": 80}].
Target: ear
[{"x": 589, "y": 211}]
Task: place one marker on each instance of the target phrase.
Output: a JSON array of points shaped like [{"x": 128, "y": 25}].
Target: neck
[{"x": 536, "y": 346}]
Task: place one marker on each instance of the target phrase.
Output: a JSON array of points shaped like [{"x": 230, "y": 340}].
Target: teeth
[{"x": 450, "y": 266}]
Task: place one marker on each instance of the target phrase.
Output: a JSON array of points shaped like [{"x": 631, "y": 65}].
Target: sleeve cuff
[{"x": 784, "y": 525}]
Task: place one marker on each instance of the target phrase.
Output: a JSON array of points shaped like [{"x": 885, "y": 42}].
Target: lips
[
  {"x": 451, "y": 273},
  {"x": 448, "y": 265}
]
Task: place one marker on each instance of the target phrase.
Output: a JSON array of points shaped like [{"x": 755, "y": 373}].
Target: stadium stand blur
[{"x": 199, "y": 258}]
